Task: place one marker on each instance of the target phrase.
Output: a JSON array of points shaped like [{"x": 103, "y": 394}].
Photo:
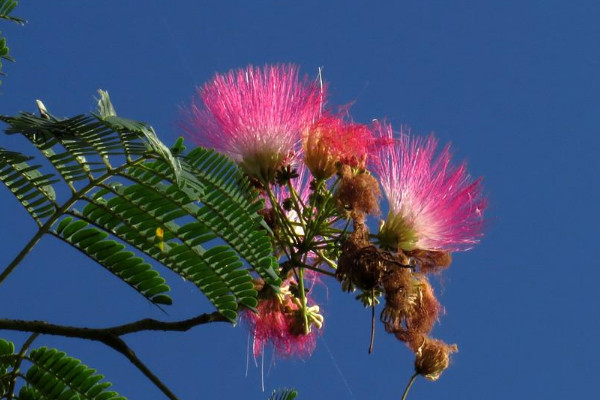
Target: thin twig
[
  {"x": 76, "y": 196},
  {"x": 15, "y": 372},
  {"x": 21, "y": 255},
  {"x": 119, "y": 345},
  {"x": 372, "y": 321},
  {"x": 410, "y": 383}
]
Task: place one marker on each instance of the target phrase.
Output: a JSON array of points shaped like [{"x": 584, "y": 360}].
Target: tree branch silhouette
[{"x": 111, "y": 336}]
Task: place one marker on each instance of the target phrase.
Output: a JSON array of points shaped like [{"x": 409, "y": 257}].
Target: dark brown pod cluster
[
  {"x": 411, "y": 308},
  {"x": 362, "y": 265}
]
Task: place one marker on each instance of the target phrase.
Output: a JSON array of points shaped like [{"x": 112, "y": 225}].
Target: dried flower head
[
  {"x": 433, "y": 357},
  {"x": 411, "y": 308},
  {"x": 429, "y": 261},
  {"x": 255, "y": 115},
  {"x": 433, "y": 205},
  {"x": 358, "y": 193}
]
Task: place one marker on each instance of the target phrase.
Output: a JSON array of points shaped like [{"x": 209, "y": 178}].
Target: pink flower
[
  {"x": 433, "y": 204},
  {"x": 255, "y": 115},
  {"x": 278, "y": 321},
  {"x": 330, "y": 140}
]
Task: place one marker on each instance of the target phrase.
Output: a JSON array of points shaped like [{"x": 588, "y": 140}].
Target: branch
[
  {"x": 111, "y": 336},
  {"x": 119, "y": 345},
  {"x": 102, "y": 334},
  {"x": 15, "y": 373}
]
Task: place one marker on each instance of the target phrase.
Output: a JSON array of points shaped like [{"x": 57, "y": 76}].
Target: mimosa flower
[
  {"x": 331, "y": 140},
  {"x": 255, "y": 115},
  {"x": 433, "y": 204},
  {"x": 279, "y": 322}
]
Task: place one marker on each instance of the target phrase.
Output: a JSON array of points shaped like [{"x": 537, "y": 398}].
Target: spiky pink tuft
[
  {"x": 332, "y": 139},
  {"x": 437, "y": 204},
  {"x": 278, "y": 322},
  {"x": 255, "y": 115},
  {"x": 270, "y": 325}
]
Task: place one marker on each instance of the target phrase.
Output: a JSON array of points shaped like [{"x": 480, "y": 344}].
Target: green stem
[
  {"x": 410, "y": 383},
  {"x": 372, "y": 321},
  {"x": 303, "y": 300},
  {"x": 321, "y": 271},
  {"x": 299, "y": 210},
  {"x": 311, "y": 225},
  {"x": 329, "y": 262},
  {"x": 59, "y": 213},
  {"x": 13, "y": 380},
  {"x": 120, "y": 346},
  {"x": 21, "y": 255},
  {"x": 283, "y": 221}
]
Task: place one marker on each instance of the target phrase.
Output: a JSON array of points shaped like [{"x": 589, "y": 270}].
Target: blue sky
[{"x": 513, "y": 85}]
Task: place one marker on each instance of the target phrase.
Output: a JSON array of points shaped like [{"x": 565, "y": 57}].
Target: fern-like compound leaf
[
  {"x": 230, "y": 209},
  {"x": 54, "y": 375},
  {"x": 128, "y": 195},
  {"x": 28, "y": 184},
  {"x": 7, "y": 360}
]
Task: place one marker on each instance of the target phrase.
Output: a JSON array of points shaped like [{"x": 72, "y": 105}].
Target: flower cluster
[
  {"x": 434, "y": 205},
  {"x": 322, "y": 175},
  {"x": 279, "y": 321},
  {"x": 255, "y": 115}
]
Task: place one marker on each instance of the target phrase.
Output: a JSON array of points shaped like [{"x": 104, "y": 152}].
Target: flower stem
[
  {"x": 21, "y": 356},
  {"x": 320, "y": 270},
  {"x": 282, "y": 219},
  {"x": 75, "y": 197},
  {"x": 372, "y": 321},
  {"x": 303, "y": 300},
  {"x": 410, "y": 383}
]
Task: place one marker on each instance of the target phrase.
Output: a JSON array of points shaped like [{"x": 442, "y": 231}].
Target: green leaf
[
  {"x": 283, "y": 394},
  {"x": 107, "y": 115},
  {"x": 54, "y": 375},
  {"x": 7, "y": 360},
  {"x": 94, "y": 243},
  {"x": 230, "y": 210},
  {"x": 29, "y": 185},
  {"x": 129, "y": 196},
  {"x": 6, "y": 7}
]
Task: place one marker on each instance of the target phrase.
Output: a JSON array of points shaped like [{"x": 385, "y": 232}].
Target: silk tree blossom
[
  {"x": 331, "y": 140},
  {"x": 255, "y": 115},
  {"x": 279, "y": 322},
  {"x": 433, "y": 204}
]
